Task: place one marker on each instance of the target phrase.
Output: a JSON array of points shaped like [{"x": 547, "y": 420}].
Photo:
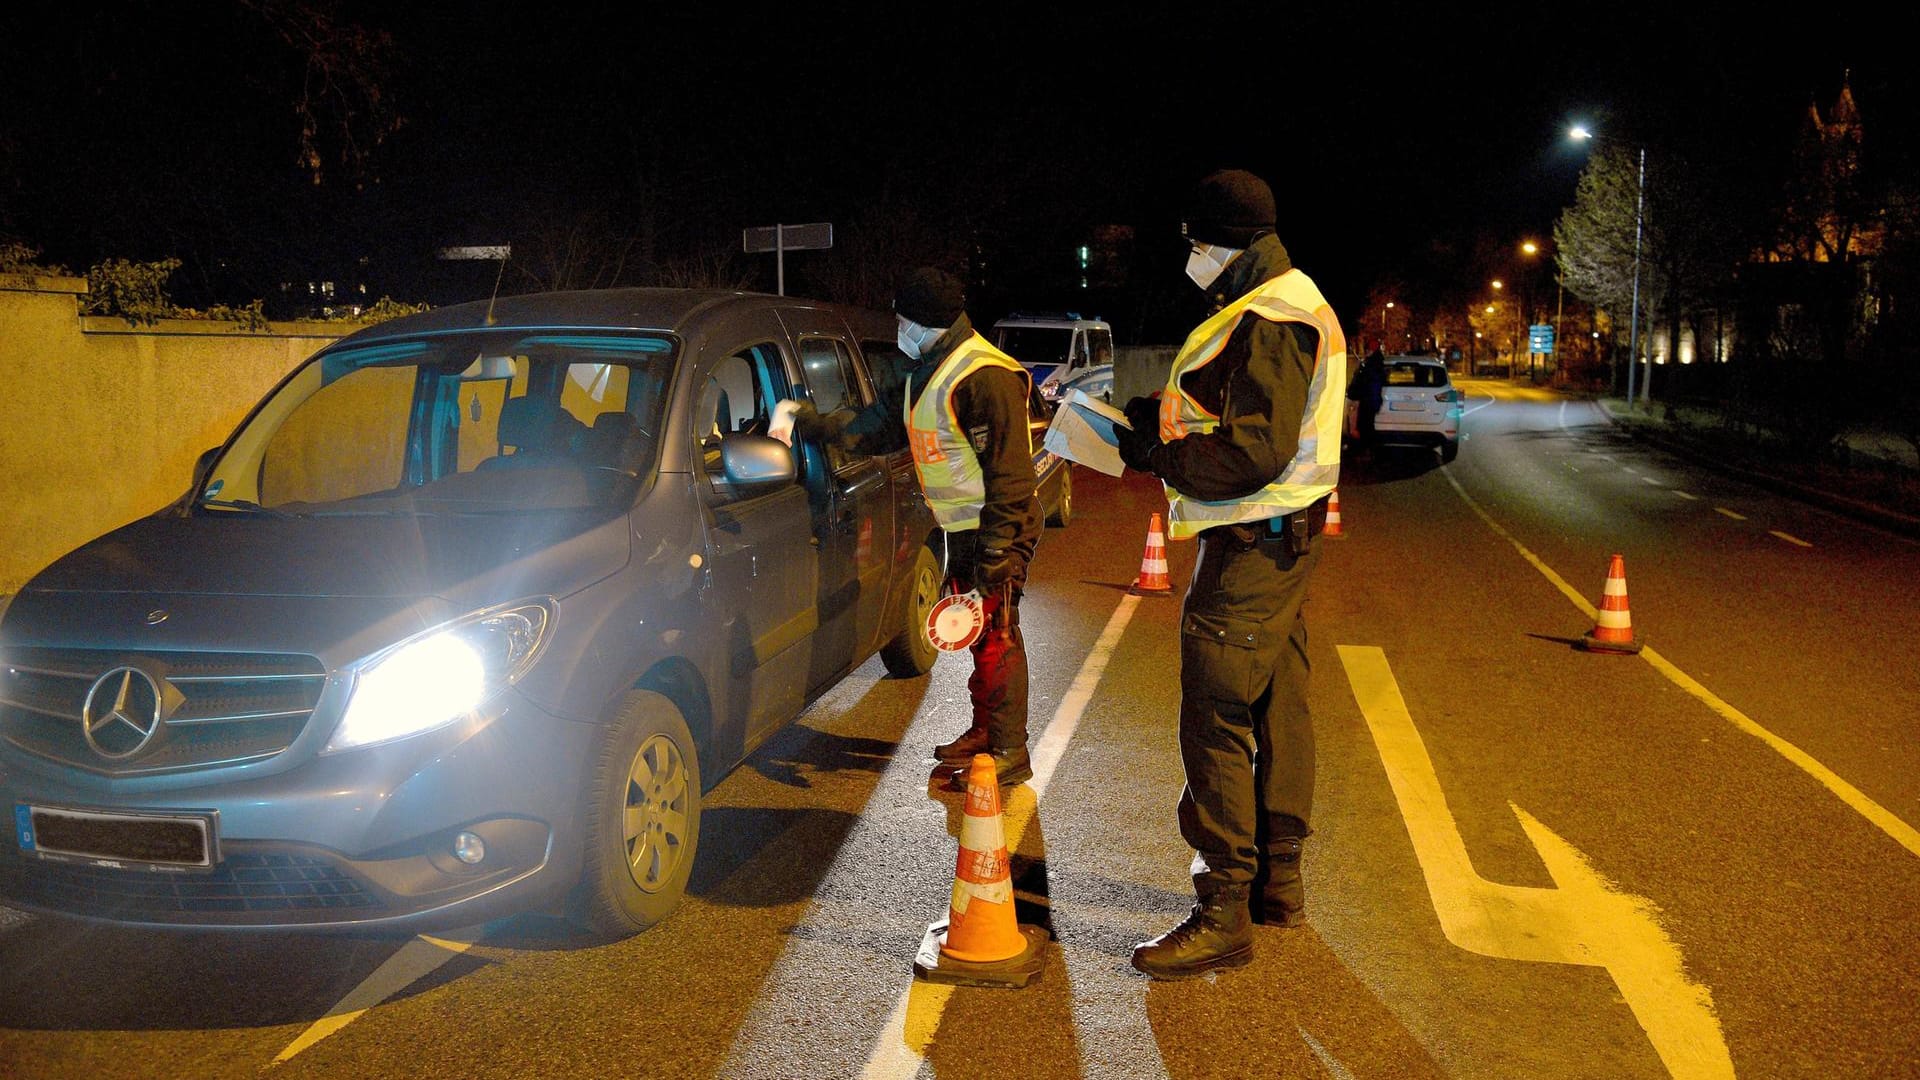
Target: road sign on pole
[
  {"x": 1540, "y": 338},
  {"x": 781, "y": 239}
]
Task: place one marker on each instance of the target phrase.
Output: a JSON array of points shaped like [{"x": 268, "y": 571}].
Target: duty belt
[{"x": 1279, "y": 528}]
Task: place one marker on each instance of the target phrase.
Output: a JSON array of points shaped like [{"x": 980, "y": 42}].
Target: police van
[{"x": 1062, "y": 350}]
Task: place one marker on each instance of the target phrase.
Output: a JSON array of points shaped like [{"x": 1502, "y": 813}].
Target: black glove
[
  {"x": 807, "y": 422},
  {"x": 1143, "y": 413},
  {"x": 994, "y": 567},
  {"x": 1137, "y": 445}
]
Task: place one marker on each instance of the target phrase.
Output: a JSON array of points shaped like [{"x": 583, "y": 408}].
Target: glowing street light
[{"x": 1582, "y": 134}]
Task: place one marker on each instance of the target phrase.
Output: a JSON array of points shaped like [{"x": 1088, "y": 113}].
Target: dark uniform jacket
[
  {"x": 1257, "y": 386},
  {"x": 992, "y": 407}
]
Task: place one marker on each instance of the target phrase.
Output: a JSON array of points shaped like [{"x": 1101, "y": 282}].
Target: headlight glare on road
[{"x": 441, "y": 676}]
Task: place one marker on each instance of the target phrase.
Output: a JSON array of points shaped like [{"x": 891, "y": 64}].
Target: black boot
[
  {"x": 961, "y": 750},
  {"x": 1278, "y": 897},
  {"x": 1010, "y": 766},
  {"x": 1215, "y": 934}
]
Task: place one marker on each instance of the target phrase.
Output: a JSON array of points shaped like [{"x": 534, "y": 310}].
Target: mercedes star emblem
[{"x": 122, "y": 713}]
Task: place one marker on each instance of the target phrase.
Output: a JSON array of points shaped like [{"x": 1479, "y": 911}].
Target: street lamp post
[
  {"x": 1383, "y": 325},
  {"x": 1639, "y": 219}
]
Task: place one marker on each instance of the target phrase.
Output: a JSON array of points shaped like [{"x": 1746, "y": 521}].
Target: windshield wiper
[{"x": 248, "y": 505}]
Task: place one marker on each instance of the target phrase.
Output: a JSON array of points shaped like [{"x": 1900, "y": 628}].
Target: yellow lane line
[
  {"x": 1686, "y": 495},
  {"x": 1729, "y": 513},
  {"x": 1584, "y": 919},
  {"x": 908, "y": 1031},
  {"x": 1789, "y": 539},
  {"x": 1889, "y": 823},
  {"x": 1902, "y": 833},
  {"x": 416, "y": 960}
]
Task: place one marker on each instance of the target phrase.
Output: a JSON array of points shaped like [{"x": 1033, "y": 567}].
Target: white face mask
[
  {"x": 912, "y": 337},
  {"x": 1207, "y": 261}
]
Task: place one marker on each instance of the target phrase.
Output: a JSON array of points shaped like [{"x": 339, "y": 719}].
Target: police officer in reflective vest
[
  {"x": 965, "y": 407},
  {"x": 1246, "y": 439}
]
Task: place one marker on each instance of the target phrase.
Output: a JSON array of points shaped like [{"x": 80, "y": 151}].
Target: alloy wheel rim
[{"x": 655, "y": 817}]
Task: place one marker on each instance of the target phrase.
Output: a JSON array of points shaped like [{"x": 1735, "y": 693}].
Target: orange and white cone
[
  {"x": 1613, "y": 629},
  {"x": 1153, "y": 565},
  {"x": 981, "y": 942},
  {"x": 1332, "y": 527}
]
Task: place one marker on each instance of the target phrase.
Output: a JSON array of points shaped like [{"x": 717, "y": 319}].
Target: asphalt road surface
[{"x": 1529, "y": 860}]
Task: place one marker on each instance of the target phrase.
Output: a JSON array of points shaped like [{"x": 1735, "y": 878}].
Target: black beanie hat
[
  {"x": 1230, "y": 207},
  {"x": 931, "y": 297}
]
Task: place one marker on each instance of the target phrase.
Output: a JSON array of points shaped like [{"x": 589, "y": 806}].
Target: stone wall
[{"x": 105, "y": 420}]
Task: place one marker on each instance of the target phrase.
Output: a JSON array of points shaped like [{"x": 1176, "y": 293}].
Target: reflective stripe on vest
[
  {"x": 943, "y": 455},
  {"x": 1315, "y": 468}
]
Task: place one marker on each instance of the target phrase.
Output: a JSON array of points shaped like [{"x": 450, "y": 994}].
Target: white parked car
[{"x": 1419, "y": 405}]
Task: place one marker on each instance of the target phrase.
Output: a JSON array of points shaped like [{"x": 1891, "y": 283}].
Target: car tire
[
  {"x": 1063, "y": 499},
  {"x": 1449, "y": 449},
  {"x": 910, "y": 654},
  {"x": 642, "y": 819}
]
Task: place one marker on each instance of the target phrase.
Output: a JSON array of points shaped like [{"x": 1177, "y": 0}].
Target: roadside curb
[{"x": 1893, "y": 521}]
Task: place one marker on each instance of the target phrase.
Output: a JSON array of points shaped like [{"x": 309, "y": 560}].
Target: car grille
[
  {"x": 236, "y": 707},
  {"x": 274, "y": 886}
]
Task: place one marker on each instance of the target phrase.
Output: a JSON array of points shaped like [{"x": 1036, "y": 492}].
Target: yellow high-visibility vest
[
  {"x": 1315, "y": 468},
  {"x": 943, "y": 456}
]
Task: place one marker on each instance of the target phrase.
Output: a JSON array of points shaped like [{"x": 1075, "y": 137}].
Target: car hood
[{"x": 310, "y": 585}]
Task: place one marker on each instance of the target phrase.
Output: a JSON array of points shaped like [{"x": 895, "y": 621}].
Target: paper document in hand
[{"x": 1083, "y": 430}]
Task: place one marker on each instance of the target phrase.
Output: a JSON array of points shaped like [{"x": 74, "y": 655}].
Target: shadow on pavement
[
  {"x": 60, "y": 974},
  {"x": 1295, "y": 1011}
]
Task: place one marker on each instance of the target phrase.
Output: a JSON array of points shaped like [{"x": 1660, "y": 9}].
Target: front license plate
[
  {"x": 1405, "y": 406},
  {"x": 105, "y": 838}
]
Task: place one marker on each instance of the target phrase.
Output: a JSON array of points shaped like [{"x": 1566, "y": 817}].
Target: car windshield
[
  {"x": 1033, "y": 345},
  {"x": 482, "y": 422}
]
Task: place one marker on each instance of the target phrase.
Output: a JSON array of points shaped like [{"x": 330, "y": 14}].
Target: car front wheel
[
  {"x": 642, "y": 821},
  {"x": 910, "y": 653},
  {"x": 1063, "y": 505}
]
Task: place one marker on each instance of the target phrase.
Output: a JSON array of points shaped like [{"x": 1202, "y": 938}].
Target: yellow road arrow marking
[
  {"x": 416, "y": 960},
  {"x": 1584, "y": 919}
]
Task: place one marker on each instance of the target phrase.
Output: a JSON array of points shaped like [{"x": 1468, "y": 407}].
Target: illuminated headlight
[
  {"x": 433, "y": 679},
  {"x": 1050, "y": 391}
]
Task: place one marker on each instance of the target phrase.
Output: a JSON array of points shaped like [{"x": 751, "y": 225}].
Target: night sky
[{"x": 1404, "y": 143}]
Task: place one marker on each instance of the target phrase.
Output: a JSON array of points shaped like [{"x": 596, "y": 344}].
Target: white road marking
[
  {"x": 904, "y": 1037},
  {"x": 415, "y": 961},
  {"x": 1328, "y": 1061},
  {"x": 1729, "y": 513},
  {"x": 1789, "y": 538},
  {"x": 1902, "y": 833},
  {"x": 1584, "y": 919},
  {"x": 1686, "y": 495},
  {"x": 1654, "y": 480}
]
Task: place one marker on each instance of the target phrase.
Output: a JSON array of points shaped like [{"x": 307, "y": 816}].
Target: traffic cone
[
  {"x": 1332, "y": 527},
  {"x": 981, "y": 943},
  {"x": 1613, "y": 631},
  {"x": 1153, "y": 564}
]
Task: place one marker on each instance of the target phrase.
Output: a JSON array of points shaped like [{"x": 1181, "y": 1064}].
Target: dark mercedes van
[{"x": 461, "y": 621}]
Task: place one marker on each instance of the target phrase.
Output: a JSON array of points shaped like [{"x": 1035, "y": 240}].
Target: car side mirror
[{"x": 756, "y": 459}]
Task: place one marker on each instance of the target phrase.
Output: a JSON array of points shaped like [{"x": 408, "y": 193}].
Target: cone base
[
  {"x": 1324, "y": 535},
  {"x": 1014, "y": 972},
  {"x": 1594, "y": 644},
  {"x": 1140, "y": 590}
]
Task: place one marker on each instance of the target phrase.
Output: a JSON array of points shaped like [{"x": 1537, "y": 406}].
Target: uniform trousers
[
  {"x": 998, "y": 685},
  {"x": 1246, "y": 738}
]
